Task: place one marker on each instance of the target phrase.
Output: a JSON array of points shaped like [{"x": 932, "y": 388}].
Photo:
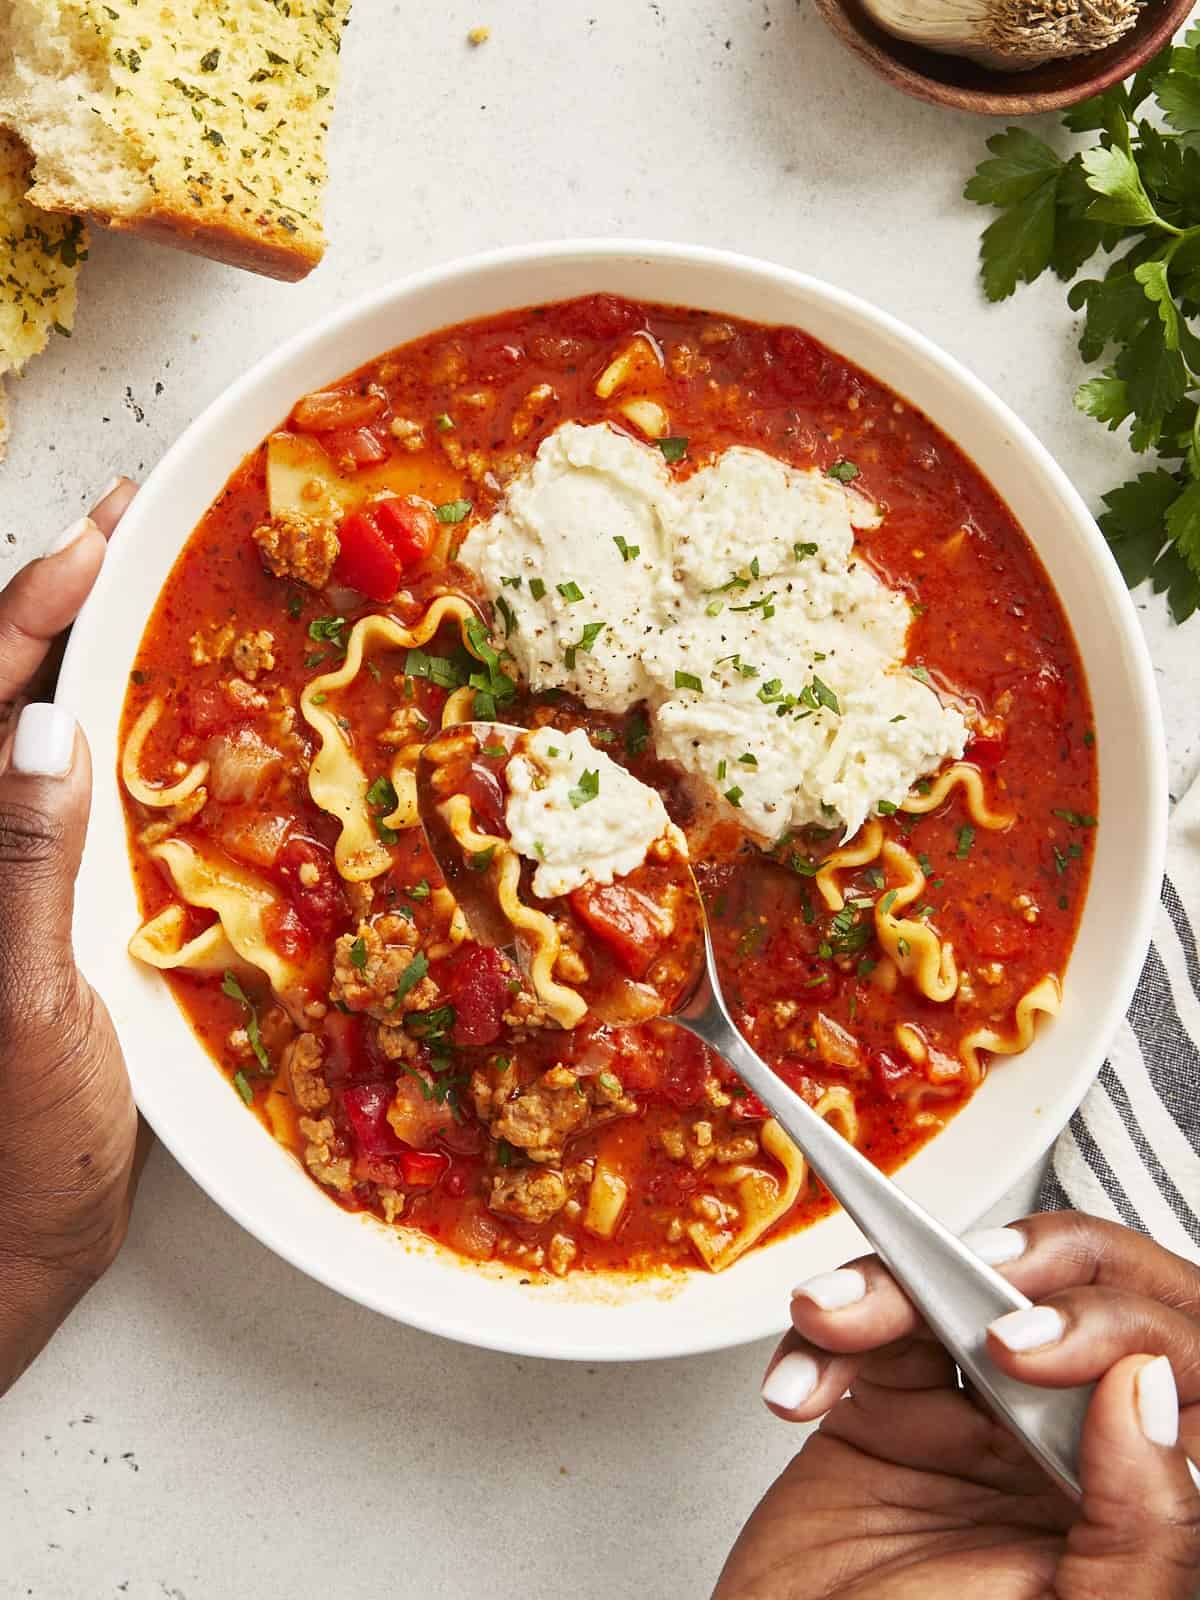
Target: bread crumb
[{"x": 478, "y": 36}]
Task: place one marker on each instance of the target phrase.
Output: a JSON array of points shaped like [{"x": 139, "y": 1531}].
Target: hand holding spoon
[{"x": 956, "y": 1292}]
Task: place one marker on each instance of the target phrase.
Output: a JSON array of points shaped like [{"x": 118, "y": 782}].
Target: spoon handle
[{"x": 956, "y": 1292}]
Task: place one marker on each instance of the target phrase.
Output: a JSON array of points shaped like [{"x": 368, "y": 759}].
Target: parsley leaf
[
  {"x": 587, "y": 788},
  {"x": 673, "y": 448},
  {"x": 453, "y": 511},
  {"x": 231, "y": 987}
]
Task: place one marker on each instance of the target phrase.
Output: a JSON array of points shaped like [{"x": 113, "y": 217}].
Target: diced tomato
[
  {"x": 686, "y": 1065},
  {"x": 358, "y": 447},
  {"x": 486, "y": 794},
  {"x": 366, "y": 561},
  {"x": 986, "y": 749},
  {"x": 804, "y": 370},
  {"x": 600, "y": 316},
  {"x": 421, "y": 1169},
  {"x": 377, "y": 1149},
  {"x": 345, "y": 1056},
  {"x": 285, "y": 932},
  {"x": 477, "y": 985},
  {"x": 207, "y": 709},
  {"x": 320, "y": 905},
  {"x": 497, "y": 360},
  {"x": 625, "y": 919},
  {"x": 892, "y": 1075},
  {"x": 408, "y": 524},
  {"x": 747, "y": 1107},
  {"x": 999, "y": 937}
]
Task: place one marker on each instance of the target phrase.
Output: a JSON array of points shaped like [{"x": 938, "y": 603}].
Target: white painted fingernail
[
  {"x": 996, "y": 1246},
  {"x": 833, "y": 1290},
  {"x": 790, "y": 1381},
  {"x": 1157, "y": 1401},
  {"x": 69, "y": 535},
  {"x": 1032, "y": 1328},
  {"x": 44, "y": 746},
  {"x": 110, "y": 487}
]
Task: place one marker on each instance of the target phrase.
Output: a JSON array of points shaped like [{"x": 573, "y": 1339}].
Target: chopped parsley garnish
[
  {"x": 374, "y": 669},
  {"x": 721, "y": 770},
  {"x": 902, "y": 947},
  {"x": 537, "y": 588},
  {"x": 329, "y": 630},
  {"x": 874, "y": 876},
  {"x": 817, "y": 694},
  {"x": 688, "y": 680},
  {"x": 762, "y": 604},
  {"x": 492, "y": 686},
  {"x": 586, "y": 789},
  {"x": 439, "y": 670},
  {"x": 419, "y": 890},
  {"x": 751, "y": 939},
  {"x": 603, "y": 736},
  {"x": 443, "y": 422},
  {"x": 637, "y": 733},
  {"x": 481, "y": 860},
  {"x": 843, "y": 471},
  {"x": 509, "y": 615},
  {"x": 921, "y": 674},
  {"x": 734, "y": 795},
  {"x": 674, "y": 448},
  {"x": 1089, "y": 738},
  {"x": 453, "y": 511},
  {"x": 888, "y": 901},
  {"x": 231, "y": 987},
  {"x": 885, "y": 808},
  {"x": 628, "y": 551},
  {"x": 821, "y": 977},
  {"x": 358, "y": 954},
  {"x": 1075, "y": 819},
  {"x": 243, "y": 1088},
  {"x": 570, "y": 591},
  {"x": 510, "y": 583},
  {"x": 591, "y": 632},
  {"x": 295, "y": 604},
  {"x": 714, "y": 608},
  {"x": 382, "y": 799},
  {"x": 495, "y": 750},
  {"x": 430, "y": 1024},
  {"x": 747, "y": 760},
  {"x": 318, "y": 699},
  {"x": 314, "y": 658},
  {"x": 966, "y": 838},
  {"x": 504, "y": 1153},
  {"x": 802, "y": 550},
  {"x": 409, "y": 978},
  {"x": 802, "y": 865}
]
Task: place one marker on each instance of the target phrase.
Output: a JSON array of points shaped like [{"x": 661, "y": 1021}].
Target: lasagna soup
[{"x": 758, "y": 620}]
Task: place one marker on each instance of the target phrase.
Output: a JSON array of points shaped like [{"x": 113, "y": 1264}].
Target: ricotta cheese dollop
[
  {"x": 735, "y": 605},
  {"x": 579, "y": 815}
]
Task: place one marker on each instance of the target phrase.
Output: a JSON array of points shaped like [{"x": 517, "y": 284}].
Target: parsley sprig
[{"x": 1134, "y": 194}]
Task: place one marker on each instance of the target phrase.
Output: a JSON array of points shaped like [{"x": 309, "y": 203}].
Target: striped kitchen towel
[{"x": 1131, "y": 1152}]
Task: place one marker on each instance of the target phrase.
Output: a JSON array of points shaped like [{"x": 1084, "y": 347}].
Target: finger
[
  {"x": 803, "y": 1381},
  {"x": 45, "y": 597},
  {"x": 45, "y": 792},
  {"x": 1077, "y": 1335},
  {"x": 113, "y": 505},
  {"x": 1138, "y": 1535},
  {"x": 1056, "y": 1250},
  {"x": 857, "y": 1308}
]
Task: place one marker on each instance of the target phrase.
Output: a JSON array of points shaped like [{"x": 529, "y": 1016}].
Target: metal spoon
[{"x": 956, "y": 1292}]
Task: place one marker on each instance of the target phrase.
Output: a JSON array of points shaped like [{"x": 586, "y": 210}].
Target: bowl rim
[{"x": 1057, "y": 1105}]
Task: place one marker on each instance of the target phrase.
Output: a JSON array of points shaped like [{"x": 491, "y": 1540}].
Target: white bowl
[{"x": 997, "y": 1137}]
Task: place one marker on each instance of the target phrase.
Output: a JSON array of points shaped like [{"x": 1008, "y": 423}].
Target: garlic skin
[{"x": 1007, "y": 35}]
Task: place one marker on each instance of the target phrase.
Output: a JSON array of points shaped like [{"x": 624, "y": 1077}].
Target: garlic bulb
[{"x": 1013, "y": 35}]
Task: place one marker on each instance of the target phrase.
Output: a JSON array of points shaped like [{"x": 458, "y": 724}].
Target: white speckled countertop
[{"x": 211, "y": 1423}]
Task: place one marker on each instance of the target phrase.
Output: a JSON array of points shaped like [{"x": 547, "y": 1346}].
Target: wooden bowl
[{"x": 954, "y": 81}]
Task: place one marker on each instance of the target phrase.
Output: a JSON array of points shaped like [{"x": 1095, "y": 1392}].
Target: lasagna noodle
[
  {"x": 1044, "y": 999},
  {"x": 762, "y": 1201},
  {"x": 860, "y": 852},
  {"x": 564, "y": 1005},
  {"x": 240, "y": 900},
  {"x": 336, "y": 780},
  {"x": 159, "y": 943},
  {"x": 960, "y": 775},
  {"x": 913, "y": 945},
  {"x": 155, "y": 794}
]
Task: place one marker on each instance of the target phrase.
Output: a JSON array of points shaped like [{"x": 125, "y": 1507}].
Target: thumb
[
  {"x": 45, "y": 794},
  {"x": 1139, "y": 1530}
]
